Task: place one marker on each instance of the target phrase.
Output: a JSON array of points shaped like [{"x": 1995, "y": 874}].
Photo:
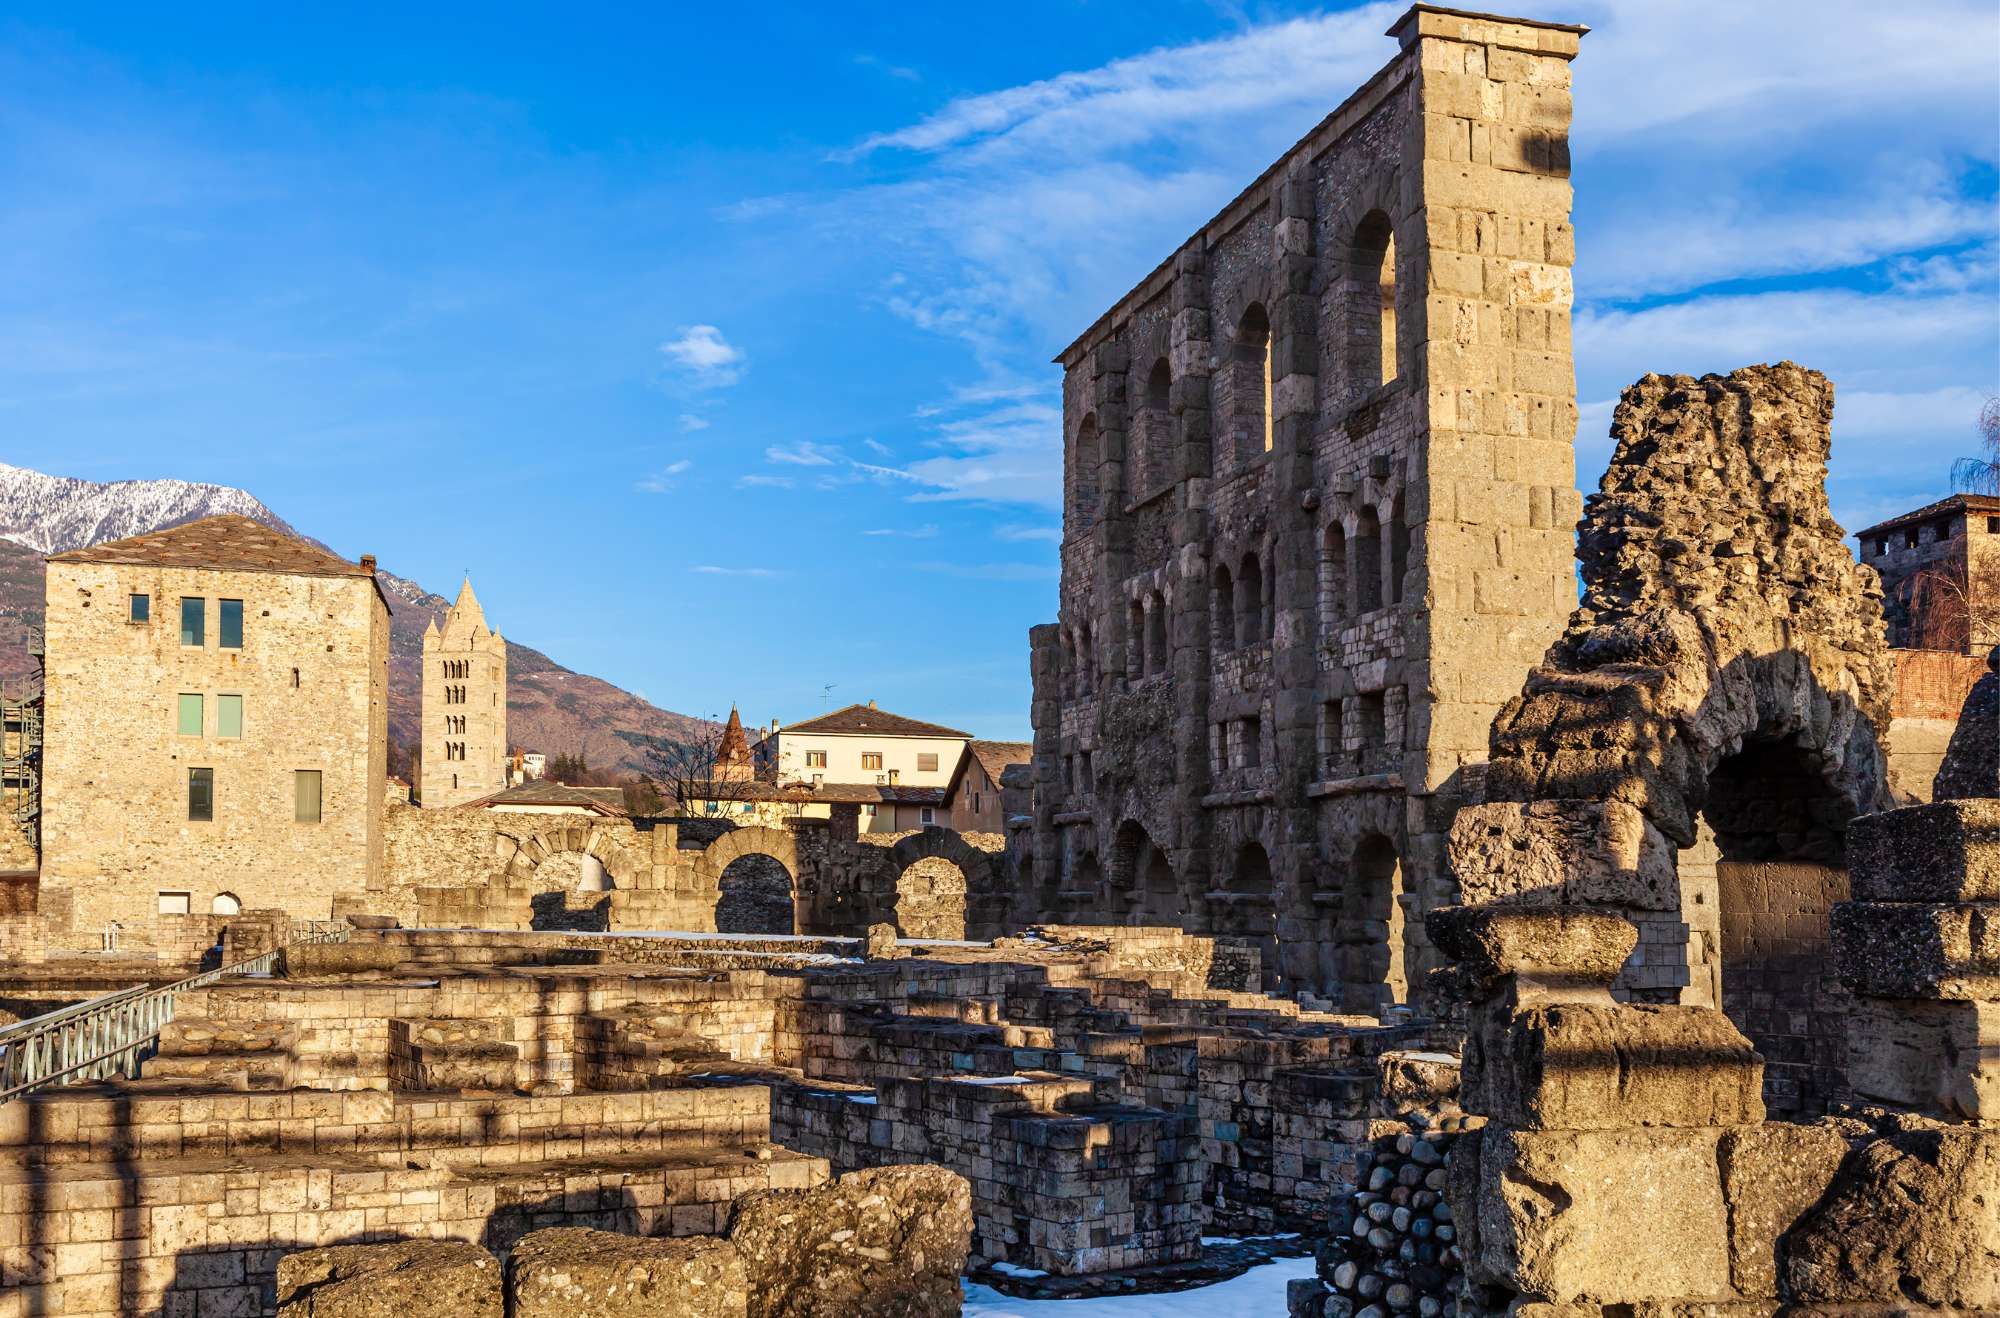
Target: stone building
[
  {"x": 974, "y": 798},
  {"x": 1318, "y": 512},
  {"x": 465, "y": 706},
  {"x": 217, "y": 712}
]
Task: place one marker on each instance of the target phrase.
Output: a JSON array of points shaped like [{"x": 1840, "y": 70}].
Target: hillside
[{"x": 550, "y": 708}]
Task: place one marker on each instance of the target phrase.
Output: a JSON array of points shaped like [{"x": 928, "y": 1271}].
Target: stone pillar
[
  {"x": 1045, "y": 716},
  {"x": 1920, "y": 947},
  {"x": 1192, "y": 361}
]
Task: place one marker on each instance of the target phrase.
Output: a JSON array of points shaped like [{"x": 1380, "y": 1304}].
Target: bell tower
[{"x": 465, "y": 706}]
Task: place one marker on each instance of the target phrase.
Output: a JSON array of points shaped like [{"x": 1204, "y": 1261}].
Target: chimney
[
  {"x": 894, "y": 776},
  {"x": 871, "y": 704},
  {"x": 774, "y": 725},
  {"x": 368, "y": 564},
  {"x": 819, "y": 780}
]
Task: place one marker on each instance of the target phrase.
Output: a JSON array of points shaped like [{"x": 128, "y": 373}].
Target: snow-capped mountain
[{"x": 51, "y": 514}]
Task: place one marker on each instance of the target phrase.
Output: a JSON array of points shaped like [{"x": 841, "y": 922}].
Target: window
[
  {"x": 229, "y": 716},
  {"x": 141, "y": 610},
  {"x": 201, "y": 794},
  {"x": 975, "y": 803},
  {"x": 189, "y": 722},
  {"x": 176, "y": 903},
  {"x": 1992, "y": 528},
  {"x": 229, "y": 624},
  {"x": 1253, "y": 742},
  {"x": 815, "y": 759},
  {"x": 1371, "y": 312},
  {"x": 927, "y": 763},
  {"x": 295, "y": 679},
  {"x": 194, "y": 617},
  {"x": 1250, "y": 383},
  {"x": 225, "y": 903},
  {"x": 305, "y": 796},
  {"x": 1083, "y": 477},
  {"x": 927, "y": 816},
  {"x": 871, "y": 759},
  {"x": 1364, "y": 554},
  {"x": 867, "y": 812}
]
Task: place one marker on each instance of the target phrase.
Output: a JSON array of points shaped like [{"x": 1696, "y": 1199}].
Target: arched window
[
  {"x": 1399, "y": 551},
  {"x": 1222, "y": 607},
  {"x": 1371, "y": 310},
  {"x": 1332, "y": 580},
  {"x": 1086, "y": 657},
  {"x": 1250, "y": 384},
  {"x": 1150, "y": 465},
  {"x": 1376, "y": 959},
  {"x": 225, "y": 903},
  {"x": 1083, "y": 477},
  {"x": 1365, "y": 555},
  {"x": 1249, "y": 602}
]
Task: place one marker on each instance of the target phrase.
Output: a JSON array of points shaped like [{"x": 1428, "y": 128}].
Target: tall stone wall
[{"x": 1318, "y": 491}]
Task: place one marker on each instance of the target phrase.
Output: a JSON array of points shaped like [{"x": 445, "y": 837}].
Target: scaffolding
[{"x": 21, "y": 749}]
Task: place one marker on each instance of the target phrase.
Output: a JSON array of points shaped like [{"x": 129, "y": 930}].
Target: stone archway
[
  {"x": 570, "y": 866},
  {"x": 945, "y": 884},
  {"x": 747, "y": 876},
  {"x": 1374, "y": 960}
]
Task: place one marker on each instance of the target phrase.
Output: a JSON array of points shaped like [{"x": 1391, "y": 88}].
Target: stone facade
[
  {"x": 1940, "y": 570},
  {"x": 238, "y": 761},
  {"x": 1317, "y": 508},
  {"x": 465, "y": 707}
]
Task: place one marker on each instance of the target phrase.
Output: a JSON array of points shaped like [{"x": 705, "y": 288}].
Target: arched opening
[
  {"x": 1160, "y": 898},
  {"x": 1156, "y": 634},
  {"x": 1332, "y": 581},
  {"x": 1365, "y": 555},
  {"x": 1222, "y": 605},
  {"x": 1769, "y": 862},
  {"x": 930, "y": 899},
  {"x": 1149, "y": 468},
  {"x": 1135, "y": 640},
  {"x": 1086, "y": 657},
  {"x": 591, "y": 875},
  {"x": 1085, "y": 888},
  {"x": 1137, "y": 866},
  {"x": 225, "y": 903},
  {"x": 1399, "y": 551},
  {"x": 1371, "y": 315},
  {"x": 1249, "y": 602},
  {"x": 1245, "y": 909},
  {"x": 755, "y": 897},
  {"x": 1372, "y": 937},
  {"x": 1250, "y": 384},
  {"x": 1083, "y": 477},
  {"x": 562, "y": 900}
]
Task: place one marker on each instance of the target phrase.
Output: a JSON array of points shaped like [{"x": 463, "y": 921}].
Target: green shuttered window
[{"x": 188, "y": 720}]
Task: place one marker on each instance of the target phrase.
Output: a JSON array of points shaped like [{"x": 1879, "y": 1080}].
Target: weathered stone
[
  {"x": 1912, "y": 1218},
  {"x": 1918, "y": 950},
  {"x": 1562, "y": 853},
  {"x": 1493, "y": 941},
  {"x": 1971, "y": 766},
  {"x": 1948, "y": 851},
  {"x": 1634, "y": 1214},
  {"x": 1938, "y": 1057},
  {"x": 888, "y": 1242},
  {"x": 1580, "y": 1066},
  {"x": 401, "y": 1279},
  {"x": 1772, "y": 1174},
  {"x": 575, "y": 1272},
  {"x": 361, "y": 954}
]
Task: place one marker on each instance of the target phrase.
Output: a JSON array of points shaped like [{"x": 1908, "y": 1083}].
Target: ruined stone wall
[
  {"x": 1318, "y": 485},
  {"x": 1931, "y": 688}
]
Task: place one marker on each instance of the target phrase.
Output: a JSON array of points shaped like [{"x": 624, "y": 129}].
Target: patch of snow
[
  {"x": 51, "y": 514},
  {"x": 1007, "y": 1269},
  {"x": 861, "y": 1098},
  {"x": 1237, "y": 1240},
  {"x": 994, "y": 1079},
  {"x": 1260, "y": 1292}
]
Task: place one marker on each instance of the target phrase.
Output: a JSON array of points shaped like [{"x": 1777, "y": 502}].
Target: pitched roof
[
  {"x": 995, "y": 756},
  {"x": 864, "y": 719},
  {"x": 1977, "y": 503},
  {"x": 824, "y": 794},
  {"x": 539, "y": 791},
  {"x": 230, "y": 543},
  {"x": 734, "y": 749}
]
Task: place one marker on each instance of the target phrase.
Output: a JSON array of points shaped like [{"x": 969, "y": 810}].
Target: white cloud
[
  {"x": 993, "y": 571},
  {"x": 927, "y": 531},
  {"x": 805, "y": 453},
  {"x": 705, "y": 357},
  {"x": 1019, "y": 532},
  {"x": 663, "y": 480},
  {"x": 878, "y": 448},
  {"x": 710, "y": 569},
  {"x": 692, "y": 422},
  {"x": 767, "y": 482}
]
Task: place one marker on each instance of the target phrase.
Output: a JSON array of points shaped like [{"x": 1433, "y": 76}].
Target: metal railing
[{"x": 110, "y": 1035}]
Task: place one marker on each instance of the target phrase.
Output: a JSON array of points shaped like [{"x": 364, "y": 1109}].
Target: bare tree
[
  {"x": 1981, "y": 475},
  {"x": 686, "y": 776},
  {"x": 1943, "y": 613}
]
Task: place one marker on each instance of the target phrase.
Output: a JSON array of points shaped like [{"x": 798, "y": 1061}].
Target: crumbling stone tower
[
  {"x": 1318, "y": 500},
  {"x": 465, "y": 706}
]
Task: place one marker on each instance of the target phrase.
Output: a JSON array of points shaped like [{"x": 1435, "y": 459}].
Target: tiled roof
[
  {"x": 1977, "y": 503},
  {"x": 864, "y": 719},
  {"x": 537, "y": 791},
  {"x": 995, "y": 756},
  {"x": 230, "y": 543},
  {"x": 824, "y": 794}
]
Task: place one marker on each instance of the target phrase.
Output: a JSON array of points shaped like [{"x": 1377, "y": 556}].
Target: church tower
[{"x": 465, "y": 706}]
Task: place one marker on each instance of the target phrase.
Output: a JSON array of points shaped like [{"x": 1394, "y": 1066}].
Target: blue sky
[{"x": 716, "y": 342}]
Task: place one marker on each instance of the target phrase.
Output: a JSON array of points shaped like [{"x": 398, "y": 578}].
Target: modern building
[
  {"x": 217, "y": 701},
  {"x": 1318, "y": 522},
  {"x": 464, "y": 734}
]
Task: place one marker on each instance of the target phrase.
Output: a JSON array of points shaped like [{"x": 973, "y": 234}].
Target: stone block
[
  {"x": 1582, "y": 1066},
  {"x": 359, "y": 956},
  {"x": 1945, "y": 852},
  {"x": 575, "y": 1272},
  {"x": 1493, "y": 941},
  {"x": 1918, "y": 950},
  {"x": 1772, "y": 1175},
  {"x": 1620, "y": 1216},
  {"x": 1562, "y": 853},
  {"x": 1911, "y": 1220},
  {"x": 1940, "y": 1057},
  {"x": 402, "y": 1279},
  {"x": 891, "y": 1241}
]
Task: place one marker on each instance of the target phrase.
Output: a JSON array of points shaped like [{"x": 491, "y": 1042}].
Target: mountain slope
[{"x": 550, "y": 708}]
